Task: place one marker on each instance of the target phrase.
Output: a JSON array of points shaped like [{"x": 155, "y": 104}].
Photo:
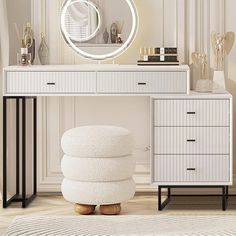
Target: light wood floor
[{"x": 140, "y": 205}]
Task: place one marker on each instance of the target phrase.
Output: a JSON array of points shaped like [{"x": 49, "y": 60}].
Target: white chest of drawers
[{"x": 192, "y": 140}]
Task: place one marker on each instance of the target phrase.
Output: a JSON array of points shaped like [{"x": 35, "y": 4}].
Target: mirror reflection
[
  {"x": 99, "y": 29},
  {"x": 82, "y": 20}
]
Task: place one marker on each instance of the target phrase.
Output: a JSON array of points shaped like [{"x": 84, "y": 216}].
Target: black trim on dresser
[
  {"x": 21, "y": 162},
  {"x": 162, "y": 205}
]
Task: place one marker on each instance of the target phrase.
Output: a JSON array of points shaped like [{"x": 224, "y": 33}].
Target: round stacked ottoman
[{"x": 98, "y": 166}]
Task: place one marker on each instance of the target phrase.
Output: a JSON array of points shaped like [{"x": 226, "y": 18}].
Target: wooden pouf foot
[
  {"x": 113, "y": 209},
  {"x": 83, "y": 209}
]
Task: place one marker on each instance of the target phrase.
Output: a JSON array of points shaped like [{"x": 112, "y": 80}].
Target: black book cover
[
  {"x": 166, "y": 51},
  {"x": 163, "y": 58}
]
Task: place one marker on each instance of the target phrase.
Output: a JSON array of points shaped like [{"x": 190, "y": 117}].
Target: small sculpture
[{"x": 222, "y": 45}]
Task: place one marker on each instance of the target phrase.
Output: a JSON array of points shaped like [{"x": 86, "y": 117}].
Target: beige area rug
[{"x": 124, "y": 225}]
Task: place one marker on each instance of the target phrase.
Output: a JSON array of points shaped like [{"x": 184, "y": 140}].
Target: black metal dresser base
[
  {"x": 162, "y": 205},
  {"x": 20, "y": 118}
]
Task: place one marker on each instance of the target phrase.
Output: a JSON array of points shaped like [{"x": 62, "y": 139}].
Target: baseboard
[{"x": 50, "y": 187}]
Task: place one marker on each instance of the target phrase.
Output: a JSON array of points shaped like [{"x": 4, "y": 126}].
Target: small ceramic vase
[
  {"x": 114, "y": 32},
  {"x": 105, "y": 36},
  {"x": 43, "y": 51}
]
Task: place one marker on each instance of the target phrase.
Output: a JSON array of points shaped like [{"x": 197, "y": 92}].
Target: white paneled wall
[{"x": 186, "y": 24}]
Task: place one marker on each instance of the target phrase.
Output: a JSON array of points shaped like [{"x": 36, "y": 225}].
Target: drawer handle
[
  {"x": 191, "y": 113},
  {"x": 190, "y": 169},
  {"x": 142, "y": 83},
  {"x": 51, "y": 83},
  {"x": 191, "y": 140}
]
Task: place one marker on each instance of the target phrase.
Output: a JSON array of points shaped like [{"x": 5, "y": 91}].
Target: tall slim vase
[{"x": 43, "y": 51}]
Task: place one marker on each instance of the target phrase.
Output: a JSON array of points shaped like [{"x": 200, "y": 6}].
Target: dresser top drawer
[{"x": 192, "y": 112}]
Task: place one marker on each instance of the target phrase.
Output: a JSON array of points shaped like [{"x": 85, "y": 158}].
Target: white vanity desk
[
  {"x": 191, "y": 133},
  {"x": 96, "y": 80}
]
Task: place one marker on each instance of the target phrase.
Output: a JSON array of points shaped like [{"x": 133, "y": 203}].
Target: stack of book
[{"x": 158, "y": 56}]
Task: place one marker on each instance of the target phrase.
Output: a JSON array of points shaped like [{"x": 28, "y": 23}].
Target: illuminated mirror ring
[{"x": 104, "y": 56}]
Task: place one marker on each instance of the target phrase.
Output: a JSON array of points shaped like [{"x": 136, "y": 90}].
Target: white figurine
[{"x": 222, "y": 45}]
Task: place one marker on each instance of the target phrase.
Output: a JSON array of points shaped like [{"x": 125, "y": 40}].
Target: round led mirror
[{"x": 99, "y": 29}]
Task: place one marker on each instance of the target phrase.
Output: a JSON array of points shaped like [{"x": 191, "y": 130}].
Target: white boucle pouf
[
  {"x": 98, "y": 169},
  {"x": 98, "y": 193},
  {"x": 97, "y": 141},
  {"x": 98, "y": 166}
]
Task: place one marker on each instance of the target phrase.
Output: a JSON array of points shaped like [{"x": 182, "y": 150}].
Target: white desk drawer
[
  {"x": 142, "y": 82},
  {"x": 201, "y": 168},
  {"x": 50, "y": 82},
  {"x": 192, "y": 140},
  {"x": 191, "y": 112}
]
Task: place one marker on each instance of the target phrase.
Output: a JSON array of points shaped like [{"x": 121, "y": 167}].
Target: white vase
[
  {"x": 204, "y": 86},
  {"x": 218, "y": 82}
]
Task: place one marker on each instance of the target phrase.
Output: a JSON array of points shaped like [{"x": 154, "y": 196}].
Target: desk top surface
[
  {"x": 96, "y": 67},
  {"x": 116, "y": 67}
]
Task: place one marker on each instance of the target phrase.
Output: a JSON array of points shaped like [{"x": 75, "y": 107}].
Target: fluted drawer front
[
  {"x": 142, "y": 82},
  {"x": 192, "y": 112},
  {"x": 194, "y": 168},
  {"x": 51, "y": 82},
  {"x": 191, "y": 140}
]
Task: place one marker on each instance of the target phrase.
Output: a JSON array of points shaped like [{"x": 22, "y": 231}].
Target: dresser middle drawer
[
  {"x": 191, "y": 112},
  {"x": 191, "y": 140}
]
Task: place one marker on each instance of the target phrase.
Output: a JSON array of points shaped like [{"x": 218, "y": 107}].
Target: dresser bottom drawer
[{"x": 191, "y": 168}]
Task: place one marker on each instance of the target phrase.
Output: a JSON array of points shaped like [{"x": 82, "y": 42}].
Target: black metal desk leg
[
  {"x": 35, "y": 145},
  {"x": 20, "y": 194},
  {"x": 23, "y": 154},
  {"x": 227, "y": 192},
  {"x": 4, "y": 195},
  {"x": 224, "y": 197},
  {"x": 17, "y": 147},
  {"x": 169, "y": 192},
  {"x": 159, "y": 198}
]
